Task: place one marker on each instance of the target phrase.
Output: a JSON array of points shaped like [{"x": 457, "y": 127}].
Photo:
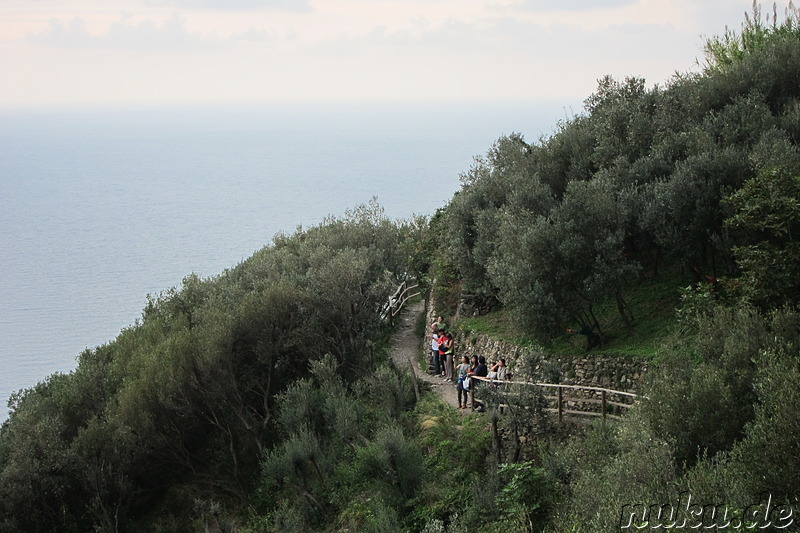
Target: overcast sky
[{"x": 74, "y": 52}]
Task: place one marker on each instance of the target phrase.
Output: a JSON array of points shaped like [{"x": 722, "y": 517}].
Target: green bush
[{"x": 611, "y": 468}]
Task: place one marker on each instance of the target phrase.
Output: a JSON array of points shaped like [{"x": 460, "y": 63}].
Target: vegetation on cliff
[
  {"x": 184, "y": 405},
  {"x": 699, "y": 175},
  {"x": 260, "y": 400},
  {"x": 695, "y": 183}
]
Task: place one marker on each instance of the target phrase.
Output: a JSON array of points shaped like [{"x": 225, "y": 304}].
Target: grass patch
[
  {"x": 497, "y": 324},
  {"x": 652, "y": 301}
]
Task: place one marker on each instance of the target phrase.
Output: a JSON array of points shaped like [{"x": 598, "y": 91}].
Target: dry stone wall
[
  {"x": 621, "y": 373},
  {"x": 610, "y": 372}
]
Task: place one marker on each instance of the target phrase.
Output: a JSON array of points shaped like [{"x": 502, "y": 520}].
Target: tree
[
  {"x": 767, "y": 211},
  {"x": 472, "y": 215},
  {"x": 553, "y": 271},
  {"x": 723, "y": 53}
]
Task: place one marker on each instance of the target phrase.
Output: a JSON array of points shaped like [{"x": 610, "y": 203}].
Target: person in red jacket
[{"x": 448, "y": 356}]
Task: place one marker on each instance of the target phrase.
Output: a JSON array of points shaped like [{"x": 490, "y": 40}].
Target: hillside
[
  {"x": 659, "y": 223},
  {"x": 652, "y": 302}
]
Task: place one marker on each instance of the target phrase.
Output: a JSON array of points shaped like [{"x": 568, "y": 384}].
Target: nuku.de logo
[{"x": 686, "y": 514}]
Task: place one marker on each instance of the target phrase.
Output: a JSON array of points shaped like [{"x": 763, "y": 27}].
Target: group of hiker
[{"x": 442, "y": 354}]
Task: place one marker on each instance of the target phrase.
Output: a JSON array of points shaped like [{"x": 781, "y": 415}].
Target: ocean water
[{"x": 99, "y": 208}]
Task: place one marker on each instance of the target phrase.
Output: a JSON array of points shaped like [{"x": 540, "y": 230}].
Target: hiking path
[{"x": 405, "y": 348}]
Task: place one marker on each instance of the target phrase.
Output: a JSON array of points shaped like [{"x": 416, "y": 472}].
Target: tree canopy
[{"x": 645, "y": 178}]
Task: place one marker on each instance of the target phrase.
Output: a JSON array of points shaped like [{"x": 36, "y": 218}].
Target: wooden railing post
[
  {"x": 604, "y": 404},
  {"x": 471, "y": 392},
  {"x": 559, "y": 405},
  {"x": 590, "y": 396},
  {"x": 399, "y": 299}
]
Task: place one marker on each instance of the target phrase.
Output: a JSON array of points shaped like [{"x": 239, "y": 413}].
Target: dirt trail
[{"x": 405, "y": 349}]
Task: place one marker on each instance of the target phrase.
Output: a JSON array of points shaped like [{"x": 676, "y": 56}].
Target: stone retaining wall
[
  {"x": 621, "y": 372},
  {"x": 610, "y": 372}
]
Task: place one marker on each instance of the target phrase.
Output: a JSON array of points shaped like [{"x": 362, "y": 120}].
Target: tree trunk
[
  {"x": 622, "y": 307},
  {"x": 498, "y": 443}
]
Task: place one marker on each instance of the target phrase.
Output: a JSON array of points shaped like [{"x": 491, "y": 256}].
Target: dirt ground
[{"x": 405, "y": 349}]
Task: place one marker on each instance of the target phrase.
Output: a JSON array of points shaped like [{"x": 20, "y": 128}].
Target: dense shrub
[{"x": 182, "y": 405}]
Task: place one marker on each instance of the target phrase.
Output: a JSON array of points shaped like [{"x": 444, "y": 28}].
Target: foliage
[
  {"x": 181, "y": 406},
  {"x": 653, "y": 302},
  {"x": 722, "y": 428},
  {"x": 767, "y": 208},
  {"x": 472, "y": 216},
  {"x": 724, "y": 52},
  {"x": 639, "y": 182},
  {"x": 259, "y": 400},
  {"x": 525, "y": 494},
  {"x": 612, "y": 467},
  {"x": 340, "y": 441},
  {"x": 767, "y": 458},
  {"x": 554, "y": 271},
  {"x": 455, "y": 451}
]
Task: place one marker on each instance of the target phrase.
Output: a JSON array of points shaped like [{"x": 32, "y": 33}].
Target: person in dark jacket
[
  {"x": 478, "y": 369},
  {"x": 482, "y": 370}
]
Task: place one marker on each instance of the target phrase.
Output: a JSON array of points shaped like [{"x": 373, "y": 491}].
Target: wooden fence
[
  {"x": 574, "y": 400},
  {"x": 396, "y": 302}
]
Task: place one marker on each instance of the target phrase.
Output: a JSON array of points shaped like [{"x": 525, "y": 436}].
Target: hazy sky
[{"x": 74, "y": 52}]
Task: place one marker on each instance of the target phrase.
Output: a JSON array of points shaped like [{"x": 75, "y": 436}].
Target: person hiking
[
  {"x": 461, "y": 375},
  {"x": 435, "y": 353},
  {"x": 448, "y": 357},
  {"x": 442, "y": 349}
]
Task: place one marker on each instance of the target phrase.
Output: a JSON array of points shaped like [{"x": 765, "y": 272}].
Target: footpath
[{"x": 404, "y": 351}]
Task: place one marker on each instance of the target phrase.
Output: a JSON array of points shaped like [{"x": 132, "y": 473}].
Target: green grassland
[{"x": 652, "y": 301}]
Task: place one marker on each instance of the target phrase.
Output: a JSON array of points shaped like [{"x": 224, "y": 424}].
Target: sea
[{"x": 100, "y": 208}]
